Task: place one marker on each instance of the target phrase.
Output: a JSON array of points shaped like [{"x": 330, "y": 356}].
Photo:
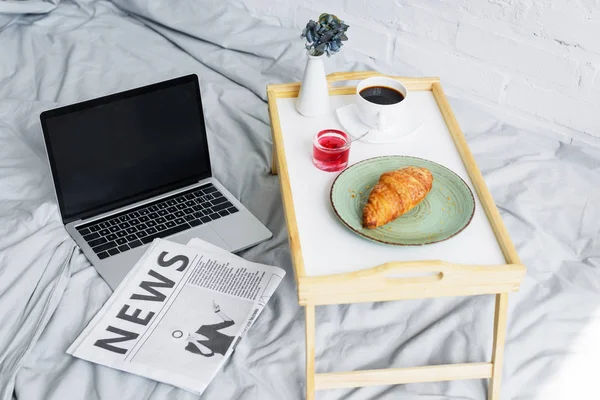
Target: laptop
[{"x": 134, "y": 166}]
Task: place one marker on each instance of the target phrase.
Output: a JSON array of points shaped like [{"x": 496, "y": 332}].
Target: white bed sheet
[{"x": 55, "y": 53}]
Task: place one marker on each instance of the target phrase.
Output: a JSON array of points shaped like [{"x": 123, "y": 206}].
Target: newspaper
[{"x": 178, "y": 314}]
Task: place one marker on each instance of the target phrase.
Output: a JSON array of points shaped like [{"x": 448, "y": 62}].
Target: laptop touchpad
[{"x": 201, "y": 232}]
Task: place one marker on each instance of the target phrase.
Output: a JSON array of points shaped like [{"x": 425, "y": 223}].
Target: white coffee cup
[{"x": 381, "y": 116}]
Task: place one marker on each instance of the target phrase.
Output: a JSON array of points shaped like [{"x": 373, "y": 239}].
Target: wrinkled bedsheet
[{"x": 55, "y": 53}]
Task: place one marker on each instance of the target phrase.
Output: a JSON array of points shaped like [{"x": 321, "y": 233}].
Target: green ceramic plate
[{"x": 447, "y": 209}]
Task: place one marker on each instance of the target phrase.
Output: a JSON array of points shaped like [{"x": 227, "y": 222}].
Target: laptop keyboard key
[
  {"x": 205, "y": 204},
  {"x": 148, "y": 239},
  {"x": 179, "y": 221},
  {"x": 91, "y": 236},
  {"x": 121, "y": 240},
  {"x": 104, "y": 225},
  {"x": 218, "y": 201},
  {"x": 141, "y": 226},
  {"x": 223, "y": 213},
  {"x": 94, "y": 228},
  {"x": 161, "y": 227},
  {"x": 195, "y": 222},
  {"x": 144, "y": 219},
  {"x": 113, "y": 251},
  {"x": 124, "y": 225},
  {"x": 97, "y": 242},
  {"x": 161, "y": 220},
  {"x": 222, "y": 206},
  {"x": 123, "y": 248},
  {"x": 130, "y": 237},
  {"x": 104, "y": 247},
  {"x": 172, "y": 209},
  {"x": 171, "y": 202},
  {"x": 112, "y": 236},
  {"x": 189, "y": 196},
  {"x": 170, "y": 217},
  {"x": 124, "y": 218},
  {"x": 214, "y": 216},
  {"x": 134, "y": 214},
  {"x": 84, "y": 231},
  {"x": 209, "y": 189},
  {"x": 134, "y": 221},
  {"x": 162, "y": 212},
  {"x": 153, "y": 208},
  {"x": 151, "y": 231},
  {"x": 181, "y": 206},
  {"x": 188, "y": 211},
  {"x": 103, "y": 232},
  {"x": 141, "y": 234},
  {"x": 179, "y": 214},
  {"x": 131, "y": 230},
  {"x": 189, "y": 217},
  {"x": 114, "y": 228},
  {"x": 151, "y": 223},
  {"x": 102, "y": 255},
  {"x": 122, "y": 233},
  {"x": 179, "y": 199},
  {"x": 134, "y": 244},
  {"x": 232, "y": 210},
  {"x": 205, "y": 219},
  {"x": 153, "y": 215},
  {"x": 170, "y": 224}
]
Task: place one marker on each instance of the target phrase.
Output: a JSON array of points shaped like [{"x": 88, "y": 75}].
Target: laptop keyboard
[{"x": 132, "y": 228}]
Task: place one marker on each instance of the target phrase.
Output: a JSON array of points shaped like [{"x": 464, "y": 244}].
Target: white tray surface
[{"x": 328, "y": 247}]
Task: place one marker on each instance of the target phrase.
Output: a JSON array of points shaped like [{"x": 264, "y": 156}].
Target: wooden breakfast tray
[{"x": 333, "y": 265}]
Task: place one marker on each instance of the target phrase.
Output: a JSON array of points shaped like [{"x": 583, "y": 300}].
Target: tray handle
[
  {"x": 444, "y": 272},
  {"x": 411, "y": 279},
  {"x": 425, "y": 271}
]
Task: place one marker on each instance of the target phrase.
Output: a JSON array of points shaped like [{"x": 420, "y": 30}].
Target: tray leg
[
  {"x": 310, "y": 351},
  {"x": 274, "y": 161},
  {"x": 498, "y": 345}
]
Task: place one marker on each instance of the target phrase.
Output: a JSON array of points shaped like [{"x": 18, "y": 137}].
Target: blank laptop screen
[{"x": 111, "y": 151}]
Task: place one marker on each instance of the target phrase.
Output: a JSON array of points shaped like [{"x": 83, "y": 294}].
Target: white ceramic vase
[{"x": 313, "y": 99}]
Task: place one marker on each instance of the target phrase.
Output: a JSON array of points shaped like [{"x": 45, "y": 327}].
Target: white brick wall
[
  {"x": 532, "y": 61},
  {"x": 516, "y": 56}
]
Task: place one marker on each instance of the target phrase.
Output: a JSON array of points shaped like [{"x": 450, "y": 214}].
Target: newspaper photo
[{"x": 178, "y": 314}]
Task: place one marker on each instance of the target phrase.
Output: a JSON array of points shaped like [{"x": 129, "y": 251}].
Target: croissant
[{"x": 396, "y": 193}]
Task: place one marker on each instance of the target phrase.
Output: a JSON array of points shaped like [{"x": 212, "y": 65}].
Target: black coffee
[{"x": 381, "y": 95}]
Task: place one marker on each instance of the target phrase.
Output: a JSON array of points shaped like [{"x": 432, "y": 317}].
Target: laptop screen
[{"x": 109, "y": 152}]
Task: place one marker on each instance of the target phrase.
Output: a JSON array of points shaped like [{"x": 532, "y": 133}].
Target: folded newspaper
[{"x": 178, "y": 314}]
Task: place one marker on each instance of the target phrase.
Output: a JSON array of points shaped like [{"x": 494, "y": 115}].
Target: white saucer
[{"x": 354, "y": 126}]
